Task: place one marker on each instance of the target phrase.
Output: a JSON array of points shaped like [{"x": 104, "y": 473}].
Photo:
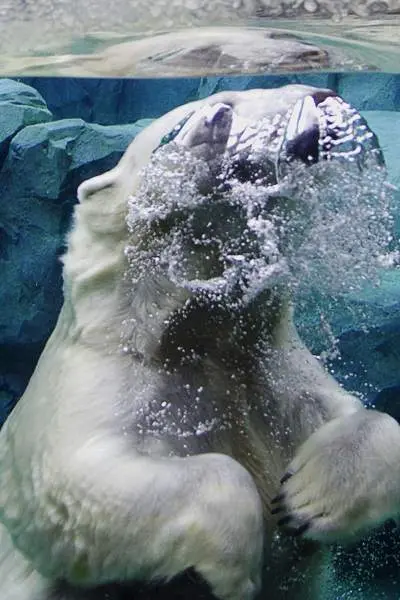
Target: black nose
[
  {"x": 222, "y": 115},
  {"x": 305, "y": 146},
  {"x": 301, "y": 140}
]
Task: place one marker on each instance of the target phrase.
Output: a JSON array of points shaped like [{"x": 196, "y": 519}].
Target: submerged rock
[
  {"x": 112, "y": 101},
  {"x": 20, "y": 105}
]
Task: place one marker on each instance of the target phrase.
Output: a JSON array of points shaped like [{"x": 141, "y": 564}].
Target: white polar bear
[{"x": 175, "y": 391}]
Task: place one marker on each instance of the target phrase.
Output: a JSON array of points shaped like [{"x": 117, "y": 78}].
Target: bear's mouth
[
  {"x": 230, "y": 204},
  {"x": 319, "y": 127}
]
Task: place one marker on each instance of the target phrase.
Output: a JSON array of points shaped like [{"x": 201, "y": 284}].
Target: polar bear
[{"x": 175, "y": 403}]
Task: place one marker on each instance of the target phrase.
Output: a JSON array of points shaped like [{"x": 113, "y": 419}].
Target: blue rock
[
  {"x": 114, "y": 101},
  {"x": 20, "y": 105},
  {"x": 42, "y": 158}
]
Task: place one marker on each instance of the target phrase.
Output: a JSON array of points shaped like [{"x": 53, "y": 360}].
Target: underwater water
[{"x": 100, "y": 89}]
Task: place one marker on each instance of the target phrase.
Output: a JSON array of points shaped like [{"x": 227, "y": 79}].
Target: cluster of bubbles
[
  {"x": 326, "y": 225},
  {"x": 348, "y": 228},
  {"x": 204, "y": 233}
]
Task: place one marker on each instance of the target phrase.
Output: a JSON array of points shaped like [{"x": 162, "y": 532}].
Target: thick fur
[{"x": 89, "y": 498}]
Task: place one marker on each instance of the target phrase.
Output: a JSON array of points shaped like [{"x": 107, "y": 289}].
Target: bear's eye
[{"x": 166, "y": 139}]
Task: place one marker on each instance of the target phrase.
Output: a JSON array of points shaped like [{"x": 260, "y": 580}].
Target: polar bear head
[
  {"x": 222, "y": 188},
  {"x": 212, "y": 200}
]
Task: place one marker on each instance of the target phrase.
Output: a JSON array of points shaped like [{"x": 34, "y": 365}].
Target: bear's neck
[{"x": 167, "y": 324}]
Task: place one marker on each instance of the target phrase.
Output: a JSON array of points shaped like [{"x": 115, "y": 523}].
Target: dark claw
[
  {"x": 278, "y": 498},
  {"x": 300, "y": 530},
  {"x": 276, "y": 510},
  {"x": 286, "y": 476},
  {"x": 284, "y": 520}
]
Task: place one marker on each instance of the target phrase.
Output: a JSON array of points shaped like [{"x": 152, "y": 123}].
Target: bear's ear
[
  {"x": 89, "y": 188},
  {"x": 121, "y": 181},
  {"x": 102, "y": 204}
]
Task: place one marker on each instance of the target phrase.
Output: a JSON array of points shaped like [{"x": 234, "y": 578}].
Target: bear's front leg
[
  {"x": 344, "y": 479},
  {"x": 107, "y": 515}
]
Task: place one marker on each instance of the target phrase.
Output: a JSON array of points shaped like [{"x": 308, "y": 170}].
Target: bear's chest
[{"x": 205, "y": 408}]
